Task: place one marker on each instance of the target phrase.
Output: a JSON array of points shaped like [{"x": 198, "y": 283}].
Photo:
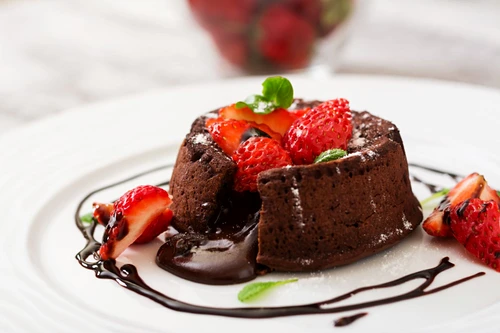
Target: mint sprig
[
  {"x": 252, "y": 290},
  {"x": 435, "y": 196},
  {"x": 277, "y": 92},
  {"x": 330, "y": 155},
  {"x": 87, "y": 218}
]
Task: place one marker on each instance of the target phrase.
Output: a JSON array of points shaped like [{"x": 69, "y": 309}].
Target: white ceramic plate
[{"x": 47, "y": 167}]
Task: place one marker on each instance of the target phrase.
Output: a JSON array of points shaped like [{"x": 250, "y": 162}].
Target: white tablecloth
[{"x": 57, "y": 54}]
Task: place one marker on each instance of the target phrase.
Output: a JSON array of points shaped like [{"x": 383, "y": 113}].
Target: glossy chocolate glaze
[
  {"x": 344, "y": 321},
  {"x": 224, "y": 255},
  {"x": 128, "y": 277}
]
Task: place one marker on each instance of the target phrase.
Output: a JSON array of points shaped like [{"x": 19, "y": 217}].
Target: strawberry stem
[{"x": 435, "y": 196}]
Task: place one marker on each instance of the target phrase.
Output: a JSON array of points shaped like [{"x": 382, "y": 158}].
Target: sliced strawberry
[
  {"x": 489, "y": 194},
  {"x": 132, "y": 214},
  {"x": 279, "y": 120},
  {"x": 211, "y": 121},
  {"x": 102, "y": 212},
  {"x": 475, "y": 224},
  {"x": 437, "y": 223},
  {"x": 156, "y": 228},
  {"x": 230, "y": 133}
]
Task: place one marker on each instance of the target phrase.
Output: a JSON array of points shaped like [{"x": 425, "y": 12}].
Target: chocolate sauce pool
[
  {"x": 211, "y": 245},
  {"x": 224, "y": 255}
]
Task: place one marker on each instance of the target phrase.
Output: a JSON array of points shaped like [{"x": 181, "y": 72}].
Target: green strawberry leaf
[
  {"x": 259, "y": 104},
  {"x": 498, "y": 192},
  {"x": 87, "y": 218},
  {"x": 252, "y": 290},
  {"x": 435, "y": 196},
  {"x": 330, "y": 155},
  {"x": 278, "y": 90}
]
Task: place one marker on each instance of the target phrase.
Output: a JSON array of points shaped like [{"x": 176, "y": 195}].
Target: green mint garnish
[
  {"x": 330, "y": 155},
  {"x": 277, "y": 92},
  {"x": 252, "y": 290},
  {"x": 87, "y": 218},
  {"x": 498, "y": 192},
  {"x": 258, "y": 104},
  {"x": 435, "y": 196}
]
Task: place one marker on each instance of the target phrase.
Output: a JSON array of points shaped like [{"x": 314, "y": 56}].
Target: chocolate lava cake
[{"x": 312, "y": 216}]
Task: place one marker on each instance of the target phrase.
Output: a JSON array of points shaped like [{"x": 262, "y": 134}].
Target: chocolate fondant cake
[{"x": 312, "y": 216}]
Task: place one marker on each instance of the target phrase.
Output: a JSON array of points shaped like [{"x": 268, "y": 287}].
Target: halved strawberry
[
  {"x": 156, "y": 228},
  {"x": 475, "y": 225},
  {"x": 473, "y": 186},
  {"x": 230, "y": 133},
  {"x": 133, "y": 213},
  {"x": 279, "y": 120},
  {"x": 103, "y": 212},
  {"x": 489, "y": 194}
]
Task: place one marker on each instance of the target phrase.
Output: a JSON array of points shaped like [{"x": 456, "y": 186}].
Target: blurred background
[{"x": 58, "y": 54}]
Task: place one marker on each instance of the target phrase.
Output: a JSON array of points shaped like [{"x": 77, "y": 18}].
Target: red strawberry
[
  {"x": 325, "y": 127},
  {"x": 132, "y": 214},
  {"x": 224, "y": 15},
  {"x": 155, "y": 228},
  {"x": 475, "y": 224},
  {"x": 255, "y": 155},
  {"x": 472, "y": 186},
  {"x": 233, "y": 47},
  {"x": 102, "y": 212},
  {"x": 310, "y": 9},
  {"x": 279, "y": 120},
  {"x": 284, "y": 38},
  {"x": 229, "y": 133}
]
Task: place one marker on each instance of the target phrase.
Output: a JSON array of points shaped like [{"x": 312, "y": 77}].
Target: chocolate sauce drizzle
[
  {"x": 344, "y": 321},
  {"x": 433, "y": 188},
  {"x": 128, "y": 277}
]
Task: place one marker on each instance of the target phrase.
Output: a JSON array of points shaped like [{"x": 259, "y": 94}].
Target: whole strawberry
[
  {"x": 255, "y": 155},
  {"x": 284, "y": 38},
  {"x": 475, "y": 224},
  {"x": 325, "y": 127}
]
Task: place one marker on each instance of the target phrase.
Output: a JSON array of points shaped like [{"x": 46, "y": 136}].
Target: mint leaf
[
  {"x": 330, "y": 155},
  {"x": 252, "y": 290},
  {"x": 241, "y": 105},
  {"x": 498, "y": 192},
  {"x": 259, "y": 104},
  {"x": 435, "y": 196},
  {"x": 279, "y": 91},
  {"x": 87, "y": 218}
]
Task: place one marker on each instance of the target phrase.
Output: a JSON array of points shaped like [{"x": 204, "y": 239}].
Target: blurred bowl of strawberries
[{"x": 269, "y": 36}]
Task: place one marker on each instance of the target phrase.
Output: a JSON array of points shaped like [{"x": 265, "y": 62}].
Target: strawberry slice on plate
[
  {"x": 473, "y": 186},
  {"x": 133, "y": 213},
  {"x": 475, "y": 224}
]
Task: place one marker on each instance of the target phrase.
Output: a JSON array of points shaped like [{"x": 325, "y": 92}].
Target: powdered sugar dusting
[
  {"x": 357, "y": 140},
  {"x": 371, "y": 153},
  {"x": 211, "y": 115},
  {"x": 200, "y": 138},
  {"x": 407, "y": 224},
  {"x": 383, "y": 238},
  {"x": 305, "y": 262},
  {"x": 297, "y": 204}
]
